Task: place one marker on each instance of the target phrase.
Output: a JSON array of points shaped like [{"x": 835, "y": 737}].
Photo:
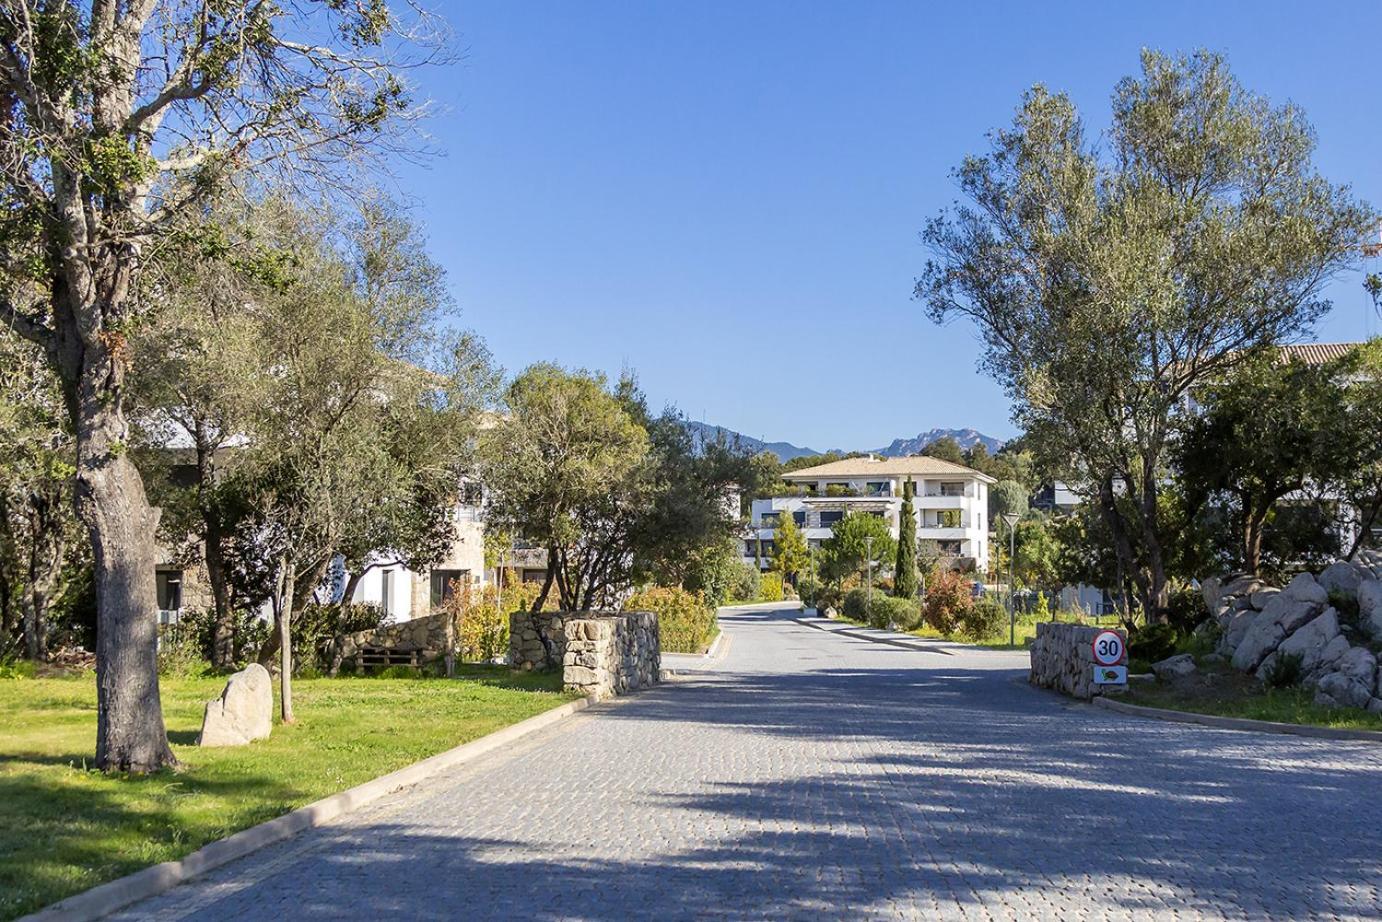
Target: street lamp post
[
  {"x": 1011, "y": 518},
  {"x": 868, "y": 553}
]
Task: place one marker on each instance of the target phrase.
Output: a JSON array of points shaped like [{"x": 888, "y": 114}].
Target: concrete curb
[
  {"x": 114, "y": 895},
  {"x": 1237, "y": 723},
  {"x": 694, "y": 665}
]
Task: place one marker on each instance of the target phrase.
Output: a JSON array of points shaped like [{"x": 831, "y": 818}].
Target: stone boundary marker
[
  {"x": 1238, "y": 723},
  {"x": 114, "y": 895}
]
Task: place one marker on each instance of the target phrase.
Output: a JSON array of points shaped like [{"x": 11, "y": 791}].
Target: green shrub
[
  {"x": 1185, "y": 609},
  {"x": 948, "y": 597},
  {"x": 770, "y": 588},
  {"x": 1285, "y": 671},
  {"x": 685, "y": 623},
  {"x": 855, "y": 604},
  {"x": 889, "y": 609},
  {"x": 984, "y": 620},
  {"x": 744, "y": 586},
  {"x": 12, "y": 667},
  {"x": 248, "y": 633},
  {"x": 179, "y": 655},
  {"x": 1153, "y": 643}
]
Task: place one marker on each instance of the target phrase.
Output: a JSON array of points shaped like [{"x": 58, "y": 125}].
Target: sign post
[{"x": 1110, "y": 659}]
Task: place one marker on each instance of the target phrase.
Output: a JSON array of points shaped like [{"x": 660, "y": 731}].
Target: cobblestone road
[{"x": 811, "y": 775}]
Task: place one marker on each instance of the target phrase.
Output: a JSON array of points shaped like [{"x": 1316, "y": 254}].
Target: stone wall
[
  {"x": 599, "y": 653},
  {"x": 1063, "y": 657},
  {"x": 431, "y": 637}
]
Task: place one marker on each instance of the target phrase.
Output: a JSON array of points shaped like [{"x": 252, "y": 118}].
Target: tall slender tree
[{"x": 906, "y": 580}]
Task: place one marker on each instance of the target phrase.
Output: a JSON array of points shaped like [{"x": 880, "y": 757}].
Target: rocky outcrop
[
  {"x": 1063, "y": 658},
  {"x": 599, "y": 653},
  {"x": 243, "y": 713},
  {"x": 1335, "y": 644}
]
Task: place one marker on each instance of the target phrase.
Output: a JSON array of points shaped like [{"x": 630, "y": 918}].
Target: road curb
[
  {"x": 1238, "y": 723},
  {"x": 114, "y": 895}
]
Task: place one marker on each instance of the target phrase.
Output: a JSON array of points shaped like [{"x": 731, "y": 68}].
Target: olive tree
[
  {"x": 1107, "y": 283},
  {"x": 119, "y": 120}
]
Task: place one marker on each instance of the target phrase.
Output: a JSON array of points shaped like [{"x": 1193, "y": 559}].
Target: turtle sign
[{"x": 1108, "y": 648}]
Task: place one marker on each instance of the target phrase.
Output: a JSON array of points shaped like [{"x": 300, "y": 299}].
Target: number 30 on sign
[{"x": 1108, "y": 648}]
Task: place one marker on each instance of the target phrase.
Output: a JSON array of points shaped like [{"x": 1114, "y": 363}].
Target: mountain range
[{"x": 898, "y": 448}]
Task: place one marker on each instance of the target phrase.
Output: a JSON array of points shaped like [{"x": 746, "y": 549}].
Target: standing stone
[
  {"x": 1370, "y": 607},
  {"x": 1341, "y": 577},
  {"x": 243, "y": 713},
  {"x": 1309, "y": 643},
  {"x": 1174, "y": 667}
]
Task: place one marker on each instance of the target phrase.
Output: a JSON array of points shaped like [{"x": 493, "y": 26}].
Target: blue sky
[{"x": 725, "y": 196}]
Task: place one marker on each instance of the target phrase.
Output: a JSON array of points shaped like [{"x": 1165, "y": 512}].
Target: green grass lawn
[
  {"x": 64, "y": 827},
  {"x": 1225, "y": 693}
]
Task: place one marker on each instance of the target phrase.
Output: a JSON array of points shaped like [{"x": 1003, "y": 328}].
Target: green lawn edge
[{"x": 65, "y": 827}]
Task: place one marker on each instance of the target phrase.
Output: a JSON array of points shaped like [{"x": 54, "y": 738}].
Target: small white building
[{"x": 950, "y": 503}]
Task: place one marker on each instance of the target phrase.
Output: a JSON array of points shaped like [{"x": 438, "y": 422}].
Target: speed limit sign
[{"x": 1108, "y": 648}]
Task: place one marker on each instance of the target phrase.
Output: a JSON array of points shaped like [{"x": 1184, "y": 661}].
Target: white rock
[
  {"x": 243, "y": 713},
  {"x": 1360, "y": 665},
  {"x": 1310, "y": 641},
  {"x": 1370, "y": 607},
  {"x": 1338, "y": 690},
  {"x": 1234, "y": 629},
  {"x": 1261, "y": 597},
  {"x": 1211, "y": 590},
  {"x": 1304, "y": 588},
  {"x": 1241, "y": 585},
  {"x": 1341, "y": 577},
  {"x": 1174, "y": 667},
  {"x": 1279, "y": 620}
]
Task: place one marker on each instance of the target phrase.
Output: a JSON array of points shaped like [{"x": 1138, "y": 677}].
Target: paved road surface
[{"x": 811, "y": 775}]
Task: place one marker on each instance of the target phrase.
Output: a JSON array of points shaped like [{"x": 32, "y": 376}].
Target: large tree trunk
[
  {"x": 130, "y": 734},
  {"x": 46, "y": 547}
]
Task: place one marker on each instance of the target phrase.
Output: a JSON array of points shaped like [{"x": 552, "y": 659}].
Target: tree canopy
[{"x": 1107, "y": 283}]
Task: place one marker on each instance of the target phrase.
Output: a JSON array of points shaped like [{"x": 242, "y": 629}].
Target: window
[
  {"x": 444, "y": 585},
  {"x": 169, "y": 584},
  {"x": 948, "y": 548},
  {"x": 799, "y": 517},
  {"x": 768, "y": 547},
  {"x": 948, "y": 518},
  {"x": 829, "y": 519},
  {"x": 386, "y": 581},
  {"x": 750, "y": 548},
  {"x": 952, "y": 489},
  {"x": 769, "y": 519},
  {"x": 878, "y": 488}
]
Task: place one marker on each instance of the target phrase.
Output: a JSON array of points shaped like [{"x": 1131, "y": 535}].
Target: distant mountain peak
[
  {"x": 703, "y": 433},
  {"x": 967, "y": 439}
]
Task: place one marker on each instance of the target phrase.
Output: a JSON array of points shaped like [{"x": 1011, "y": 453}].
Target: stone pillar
[{"x": 1063, "y": 657}]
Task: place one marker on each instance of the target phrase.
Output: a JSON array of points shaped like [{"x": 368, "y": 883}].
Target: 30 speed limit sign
[{"x": 1108, "y": 648}]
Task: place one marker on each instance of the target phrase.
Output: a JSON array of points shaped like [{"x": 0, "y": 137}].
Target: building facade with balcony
[{"x": 950, "y": 502}]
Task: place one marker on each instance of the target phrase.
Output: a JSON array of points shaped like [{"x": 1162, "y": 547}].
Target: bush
[
  {"x": 770, "y": 588},
  {"x": 984, "y": 620},
  {"x": 744, "y": 586},
  {"x": 179, "y": 655},
  {"x": 1285, "y": 671},
  {"x": 686, "y": 624},
  {"x": 248, "y": 633},
  {"x": 889, "y": 609},
  {"x": 855, "y": 604},
  {"x": 948, "y": 598},
  {"x": 1153, "y": 643},
  {"x": 481, "y": 618},
  {"x": 1185, "y": 609}
]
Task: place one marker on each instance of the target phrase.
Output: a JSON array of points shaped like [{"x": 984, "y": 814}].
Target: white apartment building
[{"x": 950, "y": 502}]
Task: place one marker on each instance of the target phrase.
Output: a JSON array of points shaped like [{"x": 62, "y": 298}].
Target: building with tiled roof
[{"x": 950, "y": 504}]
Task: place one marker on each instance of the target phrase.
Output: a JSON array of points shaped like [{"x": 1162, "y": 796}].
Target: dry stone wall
[
  {"x": 1063, "y": 657},
  {"x": 431, "y": 637},
  {"x": 599, "y": 653}
]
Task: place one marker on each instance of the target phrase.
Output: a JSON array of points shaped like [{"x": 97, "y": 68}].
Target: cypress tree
[{"x": 905, "y": 582}]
